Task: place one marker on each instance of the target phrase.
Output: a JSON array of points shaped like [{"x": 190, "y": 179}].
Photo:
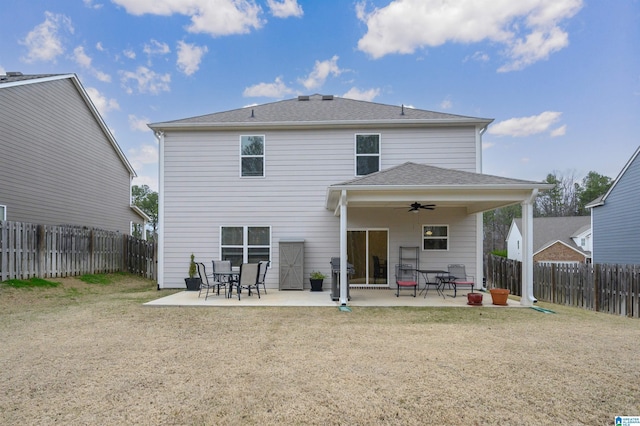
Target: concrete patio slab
[{"x": 359, "y": 297}]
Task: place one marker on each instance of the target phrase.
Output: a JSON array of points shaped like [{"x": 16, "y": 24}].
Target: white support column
[
  {"x": 160, "y": 270},
  {"x": 344, "y": 278},
  {"x": 527, "y": 251}
]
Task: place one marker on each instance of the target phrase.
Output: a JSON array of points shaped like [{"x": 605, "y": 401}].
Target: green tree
[
  {"x": 594, "y": 185},
  {"x": 496, "y": 226},
  {"x": 147, "y": 201}
]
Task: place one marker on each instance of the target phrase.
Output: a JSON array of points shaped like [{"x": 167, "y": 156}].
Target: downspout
[
  {"x": 527, "y": 298},
  {"x": 160, "y": 266},
  {"x": 344, "y": 278}
]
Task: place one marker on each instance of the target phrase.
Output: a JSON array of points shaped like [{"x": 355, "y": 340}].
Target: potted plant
[
  {"x": 193, "y": 283},
  {"x": 499, "y": 296},
  {"x": 316, "y": 278}
]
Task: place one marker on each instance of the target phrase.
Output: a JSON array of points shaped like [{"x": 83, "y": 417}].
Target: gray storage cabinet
[{"x": 292, "y": 265}]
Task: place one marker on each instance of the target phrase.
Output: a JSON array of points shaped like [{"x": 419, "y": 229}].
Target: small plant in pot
[
  {"x": 192, "y": 283},
  {"x": 316, "y": 278}
]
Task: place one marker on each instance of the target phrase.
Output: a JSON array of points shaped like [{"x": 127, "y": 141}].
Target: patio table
[
  {"x": 229, "y": 277},
  {"x": 440, "y": 277}
]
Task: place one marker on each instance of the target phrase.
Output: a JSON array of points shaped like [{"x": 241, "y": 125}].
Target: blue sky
[{"x": 561, "y": 78}]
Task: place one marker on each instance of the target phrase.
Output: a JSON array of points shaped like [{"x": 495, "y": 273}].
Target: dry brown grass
[{"x": 92, "y": 354}]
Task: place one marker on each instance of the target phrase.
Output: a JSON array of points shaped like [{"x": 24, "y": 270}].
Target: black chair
[
  {"x": 406, "y": 277},
  {"x": 263, "y": 266},
  {"x": 379, "y": 270},
  {"x": 208, "y": 282},
  {"x": 248, "y": 279}
]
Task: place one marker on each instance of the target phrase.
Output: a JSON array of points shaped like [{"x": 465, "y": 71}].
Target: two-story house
[
  {"x": 344, "y": 178},
  {"x": 59, "y": 163},
  {"x": 615, "y": 217},
  {"x": 555, "y": 239}
]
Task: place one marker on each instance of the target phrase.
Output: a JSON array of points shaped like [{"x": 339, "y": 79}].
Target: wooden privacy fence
[
  {"x": 45, "y": 251},
  {"x": 613, "y": 289}
]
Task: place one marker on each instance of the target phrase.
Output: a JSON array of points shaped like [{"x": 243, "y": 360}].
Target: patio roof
[{"x": 411, "y": 182}]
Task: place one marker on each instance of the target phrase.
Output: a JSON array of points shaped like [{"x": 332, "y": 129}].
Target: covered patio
[{"x": 449, "y": 190}]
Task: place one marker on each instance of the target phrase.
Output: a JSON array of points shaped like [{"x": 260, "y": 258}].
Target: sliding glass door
[{"x": 367, "y": 250}]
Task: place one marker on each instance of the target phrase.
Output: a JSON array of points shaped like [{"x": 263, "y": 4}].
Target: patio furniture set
[
  {"x": 455, "y": 275},
  {"x": 249, "y": 276}
]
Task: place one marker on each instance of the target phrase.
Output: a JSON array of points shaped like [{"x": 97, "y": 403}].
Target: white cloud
[
  {"x": 44, "y": 42},
  {"x": 138, "y": 123},
  {"x": 446, "y": 103},
  {"x": 362, "y": 95},
  {"x": 90, "y": 4},
  {"x": 146, "y": 154},
  {"x": 102, "y": 103},
  {"x": 150, "y": 180},
  {"x": 277, "y": 90},
  {"x": 525, "y": 126},
  {"x": 129, "y": 54},
  {"x": 529, "y": 29},
  {"x": 156, "y": 48},
  {"x": 560, "y": 131},
  {"x": 99, "y": 46},
  {"x": 478, "y": 56},
  {"x": 320, "y": 72},
  {"x": 285, "y": 8},
  {"x": 189, "y": 57},
  {"x": 214, "y": 17},
  {"x": 2, "y": 71},
  {"x": 85, "y": 61},
  {"x": 147, "y": 81},
  {"x": 487, "y": 145}
]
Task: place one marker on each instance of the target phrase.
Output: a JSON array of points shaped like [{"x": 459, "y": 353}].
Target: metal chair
[
  {"x": 406, "y": 277},
  {"x": 248, "y": 278},
  {"x": 208, "y": 282},
  {"x": 458, "y": 276},
  {"x": 263, "y": 266}
]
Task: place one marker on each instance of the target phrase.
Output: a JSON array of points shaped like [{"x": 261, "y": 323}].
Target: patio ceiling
[{"x": 410, "y": 182}]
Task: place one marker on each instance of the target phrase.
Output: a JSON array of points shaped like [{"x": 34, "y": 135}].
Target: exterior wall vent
[
  {"x": 327, "y": 97},
  {"x": 303, "y": 98}
]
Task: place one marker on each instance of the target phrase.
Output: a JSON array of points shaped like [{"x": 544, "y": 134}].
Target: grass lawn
[{"x": 86, "y": 351}]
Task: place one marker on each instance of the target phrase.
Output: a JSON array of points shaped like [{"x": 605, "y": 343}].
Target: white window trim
[
  {"x": 448, "y": 237},
  {"x": 245, "y": 241},
  {"x": 263, "y": 156},
  {"x": 356, "y": 155}
]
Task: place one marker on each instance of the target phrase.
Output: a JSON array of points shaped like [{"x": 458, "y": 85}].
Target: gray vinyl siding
[
  {"x": 56, "y": 164},
  {"x": 616, "y": 230},
  {"x": 203, "y": 190}
]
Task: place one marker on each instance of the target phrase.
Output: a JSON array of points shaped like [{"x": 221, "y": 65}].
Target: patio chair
[
  {"x": 406, "y": 277},
  {"x": 379, "y": 270},
  {"x": 248, "y": 278},
  {"x": 458, "y": 277},
  {"x": 263, "y": 266},
  {"x": 208, "y": 282}
]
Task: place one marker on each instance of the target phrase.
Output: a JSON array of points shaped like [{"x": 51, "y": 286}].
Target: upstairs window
[
  {"x": 367, "y": 154},
  {"x": 252, "y": 156},
  {"x": 435, "y": 237}
]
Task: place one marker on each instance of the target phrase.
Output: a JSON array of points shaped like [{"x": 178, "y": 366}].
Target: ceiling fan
[{"x": 415, "y": 207}]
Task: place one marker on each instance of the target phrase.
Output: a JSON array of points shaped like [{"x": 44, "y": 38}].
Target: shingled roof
[
  {"x": 409, "y": 173},
  {"x": 547, "y": 230},
  {"x": 317, "y": 109}
]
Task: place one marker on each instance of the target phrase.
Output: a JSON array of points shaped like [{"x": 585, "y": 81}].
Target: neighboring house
[
  {"x": 59, "y": 163},
  {"x": 615, "y": 218},
  {"x": 555, "y": 239},
  {"x": 338, "y": 176}
]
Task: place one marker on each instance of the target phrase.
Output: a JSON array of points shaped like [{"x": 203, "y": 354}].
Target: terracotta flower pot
[
  {"x": 474, "y": 299},
  {"x": 499, "y": 296}
]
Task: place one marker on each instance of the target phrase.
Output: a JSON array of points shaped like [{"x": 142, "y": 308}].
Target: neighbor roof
[
  {"x": 547, "y": 230},
  {"x": 321, "y": 109}
]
